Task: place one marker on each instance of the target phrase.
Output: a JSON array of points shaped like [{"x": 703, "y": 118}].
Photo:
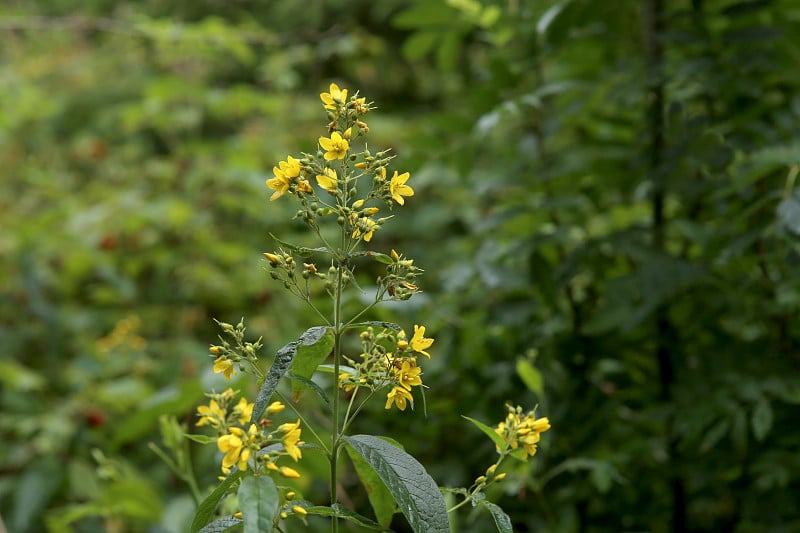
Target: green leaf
[
  {"x": 208, "y": 506},
  {"x": 283, "y": 360},
  {"x": 379, "y": 496},
  {"x": 447, "y": 52},
  {"x": 336, "y": 510},
  {"x": 380, "y": 324},
  {"x": 413, "y": 489},
  {"x": 202, "y": 439},
  {"x": 490, "y": 432},
  {"x": 302, "y": 251},
  {"x": 425, "y": 14},
  {"x": 222, "y": 524},
  {"x": 308, "y": 358},
  {"x": 34, "y": 490},
  {"x": 342, "y": 368},
  {"x": 420, "y": 44},
  {"x": 258, "y": 500},
  {"x": 308, "y": 384},
  {"x": 531, "y": 376},
  {"x": 762, "y": 419},
  {"x": 549, "y": 16},
  {"x": 381, "y": 258},
  {"x": 501, "y": 519}
]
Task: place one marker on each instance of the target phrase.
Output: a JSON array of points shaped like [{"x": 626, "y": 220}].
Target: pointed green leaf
[
  {"x": 202, "y": 439},
  {"x": 302, "y": 251},
  {"x": 308, "y": 384},
  {"x": 490, "y": 432},
  {"x": 309, "y": 355},
  {"x": 208, "y": 506},
  {"x": 413, "y": 489},
  {"x": 379, "y": 324},
  {"x": 222, "y": 524},
  {"x": 381, "y": 258},
  {"x": 336, "y": 510},
  {"x": 379, "y": 496},
  {"x": 419, "y": 44},
  {"x": 501, "y": 519},
  {"x": 258, "y": 500},
  {"x": 531, "y": 376},
  {"x": 342, "y": 368},
  {"x": 283, "y": 360}
]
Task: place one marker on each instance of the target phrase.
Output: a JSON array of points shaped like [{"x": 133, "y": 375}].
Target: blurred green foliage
[{"x": 606, "y": 212}]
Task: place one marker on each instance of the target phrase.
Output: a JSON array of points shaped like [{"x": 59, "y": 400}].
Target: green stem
[{"x": 337, "y": 358}]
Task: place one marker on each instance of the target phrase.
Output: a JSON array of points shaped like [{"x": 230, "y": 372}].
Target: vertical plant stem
[{"x": 338, "y": 329}]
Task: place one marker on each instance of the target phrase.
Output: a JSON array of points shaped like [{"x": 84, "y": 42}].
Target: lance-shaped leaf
[
  {"x": 222, "y": 524},
  {"x": 302, "y": 251},
  {"x": 382, "y": 258},
  {"x": 208, "y": 506},
  {"x": 501, "y": 519},
  {"x": 308, "y": 384},
  {"x": 379, "y": 496},
  {"x": 283, "y": 360},
  {"x": 413, "y": 489},
  {"x": 258, "y": 500},
  {"x": 337, "y": 511},
  {"x": 490, "y": 432},
  {"x": 310, "y": 353}
]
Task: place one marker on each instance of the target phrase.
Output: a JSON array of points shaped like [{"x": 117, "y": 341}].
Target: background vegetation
[{"x": 606, "y": 212}]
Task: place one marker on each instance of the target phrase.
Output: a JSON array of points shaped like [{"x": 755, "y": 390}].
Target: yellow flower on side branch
[
  {"x": 398, "y": 187},
  {"x": 334, "y": 98},
  {"x": 335, "y": 147}
]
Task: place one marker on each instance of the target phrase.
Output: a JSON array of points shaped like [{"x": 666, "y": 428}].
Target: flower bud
[
  {"x": 288, "y": 472},
  {"x": 272, "y": 258},
  {"x": 361, "y": 165},
  {"x": 299, "y": 510},
  {"x": 275, "y": 407},
  {"x": 501, "y": 477},
  {"x": 216, "y": 350}
]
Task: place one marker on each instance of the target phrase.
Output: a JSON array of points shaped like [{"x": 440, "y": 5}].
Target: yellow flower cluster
[
  {"x": 522, "y": 432},
  {"x": 336, "y": 167},
  {"x": 240, "y": 445}
]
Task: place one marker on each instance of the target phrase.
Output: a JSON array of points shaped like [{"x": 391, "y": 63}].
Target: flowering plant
[{"x": 352, "y": 187}]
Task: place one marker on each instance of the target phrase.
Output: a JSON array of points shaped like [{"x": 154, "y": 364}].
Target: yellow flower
[
  {"x": 284, "y": 173},
  {"x": 279, "y": 183},
  {"x": 211, "y": 414},
  {"x": 232, "y": 446},
  {"x": 419, "y": 343},
  {"x": 291, "y": 437},
  {"x": 243, "y": 411},
  {"x": 336, "y": 147},
  {"x": 225, "y": 367},
  {"x": 398, "y": 187},
  {"x": 238, "y": 447},
  {"x": 334, "y": 97},
  {"x": 399, "y": 396},
  {"x": 409, "y": 374},
  {"x": 366, "y": 227},
  {"x": 273, "y": 260},
  {"x": 328, "y": 180},
  {"x": 291, "y": 473},
  {"x": 360, "y": 105},
  {"x": 349, "y": 386},
  {"x": 274, "y": 408}
]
